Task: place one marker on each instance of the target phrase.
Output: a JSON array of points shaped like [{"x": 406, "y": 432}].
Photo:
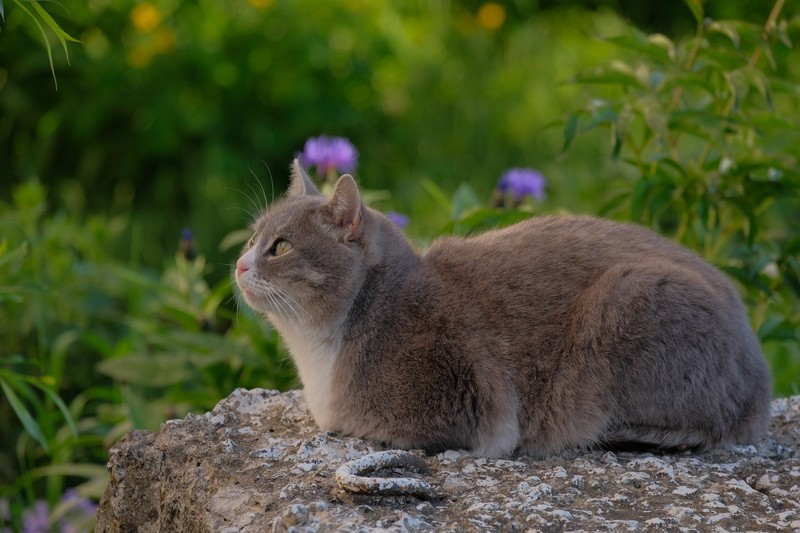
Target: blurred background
[
  {"x": 167, "y": 110},
  {"x": 130, "y": 162}
]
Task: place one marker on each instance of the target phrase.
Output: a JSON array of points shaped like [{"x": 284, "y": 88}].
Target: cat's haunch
[{"x": 554, "y": 333}]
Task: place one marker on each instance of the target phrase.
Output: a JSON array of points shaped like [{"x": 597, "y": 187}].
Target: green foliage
[
  {"x": 470, "y": 215},
  {"x": 93, "y": 348},
  {"x": 42, "y": 19},
  {"x": 708, "y": 126}
]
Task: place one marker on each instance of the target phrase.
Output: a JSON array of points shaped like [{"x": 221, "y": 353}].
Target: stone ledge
[{"x": 257, "y": 462}]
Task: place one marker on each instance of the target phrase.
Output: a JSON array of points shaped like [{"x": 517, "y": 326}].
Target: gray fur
[{"x": 554, "y": 333}]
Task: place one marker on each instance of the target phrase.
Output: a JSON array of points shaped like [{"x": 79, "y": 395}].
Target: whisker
[
  {"x": 255, "y": 192},
  {"x": 271, "y": 182},
  {"x": 298, "y": 306},
  {"x": 263, "y": 192},
  {"x": 250, "y": 214},
  {"x": 288, "y": 304},
  {"x": 235, "y": 300},
  {"x": 281, "y": 310}
]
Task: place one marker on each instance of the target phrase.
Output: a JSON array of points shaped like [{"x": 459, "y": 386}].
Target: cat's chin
[{"x": 252, "y": 301}]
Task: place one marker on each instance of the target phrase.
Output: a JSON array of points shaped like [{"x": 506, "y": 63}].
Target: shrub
[{"x": 708, "y": 129}]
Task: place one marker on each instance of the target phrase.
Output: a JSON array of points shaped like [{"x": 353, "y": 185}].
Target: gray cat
[{"x": 554, "y": 333}]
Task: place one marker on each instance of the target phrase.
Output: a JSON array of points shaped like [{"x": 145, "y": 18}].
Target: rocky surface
[{"x": 257, "y": 462}]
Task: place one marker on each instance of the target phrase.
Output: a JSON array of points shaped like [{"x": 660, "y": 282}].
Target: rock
[{"x": 257, "y": 462}]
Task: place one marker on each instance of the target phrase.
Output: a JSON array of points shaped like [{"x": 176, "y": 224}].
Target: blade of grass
[
  {"x": 438, "y": 196},
  {"x": 44, "y": 36},
  {"x": 56, "y": 399},
  {"x": 63, "y": 36},
  {"x": 28, "y": 422}
]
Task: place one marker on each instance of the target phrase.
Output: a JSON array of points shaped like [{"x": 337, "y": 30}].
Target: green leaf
[
  {"x": 657, "y": 47},
  {"x": 235, "y": 238},
  {"x": 373, "y": 196},
  {"x": 746, "y": 209},
  {"x": 781, "y": 30},
  {"x": 464, "y": 200},
  {"x": 616, "y": 72},
  {"x": 614, "y": 203},
  {"x": 665, "y": 43},
  {"x": 61, "y": 406},
  {"x": 777, "y": 328},
  {"x": 58, "y": 353},
  {"x": 617, "y": 140},
  {"x": 61, "y": 35},
  {"x": 44, "y": 36},
  {"x": 486, "y": 217},
  {"x": 604, "y": 114},
  {"x": 148, "y": 370},
  {"x": 85, "y": 470},
  {"x": 570, "y": 129},
  {"x": 662, "y": 197},
  {"x": 2, "y": 11},
  {"x": 704, "y": 211},
  {"x": 758, "y": 79},
  {"x": 785, "y": 86},
  {"x": 639, "y": 197},
  {"x": 767, "y": 50},
  {"x": 696, "y": 7},
  {"x": 727, "y": 29},
  {"x": 24, "y": 416},
  {"x": 707, "y": 126},
  {"x": 438, "y": 195},
  {"x": 17, "y": 253},
  {"x": 218, "y": 294},
  {"x": 98, "y": 343}
]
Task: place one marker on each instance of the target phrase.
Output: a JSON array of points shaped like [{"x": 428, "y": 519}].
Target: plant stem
[
  {"x": 768, "y": 27},
  {"x": 690, "y": 59}
]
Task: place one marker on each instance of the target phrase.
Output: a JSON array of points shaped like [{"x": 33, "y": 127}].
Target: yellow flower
[
  {"x": 491, "y": 16},
  {"x": 146, "y": 17}
]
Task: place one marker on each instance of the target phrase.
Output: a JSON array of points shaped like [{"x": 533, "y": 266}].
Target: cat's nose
[{"x": 241, "y": 266}]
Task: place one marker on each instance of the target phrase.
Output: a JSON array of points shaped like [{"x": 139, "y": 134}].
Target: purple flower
[
  {"x": 399, "y": 219},
  {"x": 80, "y": 504},
  {"x": 522, "y": 182},
  {"x": 37, "y": 518},
  {"x": 330, "y": 153},
  {"x": 78, "y": 515}
]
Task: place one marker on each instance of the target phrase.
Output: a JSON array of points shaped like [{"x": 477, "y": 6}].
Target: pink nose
[{"x": 241, "y": 266}]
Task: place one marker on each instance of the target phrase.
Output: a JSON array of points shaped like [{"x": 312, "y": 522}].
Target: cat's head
[{"x": 307, "y": 257}]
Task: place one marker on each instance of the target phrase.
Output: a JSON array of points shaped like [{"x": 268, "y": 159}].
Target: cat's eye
[{"x": 280, "y": 247}]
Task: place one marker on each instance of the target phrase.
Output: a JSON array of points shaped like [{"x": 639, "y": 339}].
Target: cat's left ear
[
  {"x": 345, "y": 206},
  {"x": 301, "y": 181}
]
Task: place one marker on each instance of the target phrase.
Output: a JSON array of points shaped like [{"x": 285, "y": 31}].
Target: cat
[{"x": 556, "y": 333}]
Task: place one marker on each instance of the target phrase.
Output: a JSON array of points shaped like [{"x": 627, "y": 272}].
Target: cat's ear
[
  {"x": 345, "y": 206},
  {"x": 301, "y": 181}
]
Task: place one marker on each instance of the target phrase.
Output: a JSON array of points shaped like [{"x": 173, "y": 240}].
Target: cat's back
[
  {"x": 557, "y": 238},
  {"x": 572, "y": 248}
]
